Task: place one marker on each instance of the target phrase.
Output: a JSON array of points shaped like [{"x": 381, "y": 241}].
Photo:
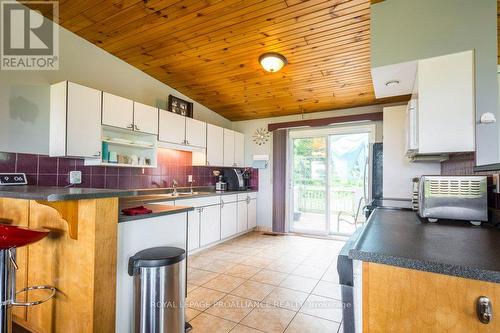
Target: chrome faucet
[
  {"x": 191, "y": 187},
  {"x": 174, "y": 186}
]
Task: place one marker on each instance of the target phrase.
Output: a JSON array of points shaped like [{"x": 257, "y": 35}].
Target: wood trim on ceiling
[{"x": 374, "y": 116}]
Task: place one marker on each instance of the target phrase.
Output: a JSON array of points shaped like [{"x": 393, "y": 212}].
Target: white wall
[
  {"x": 265, "y": 196},
  {"x": 398, "y": 171},
  {"x": 24, "y": 95}
]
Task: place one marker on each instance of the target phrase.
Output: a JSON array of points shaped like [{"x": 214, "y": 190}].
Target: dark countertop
[
  {"x": 401, "y": 238},
  {"x": 46, "y": 193},
  {"x": 149, "y": 198},
  {"x": 158, "y": 210}
]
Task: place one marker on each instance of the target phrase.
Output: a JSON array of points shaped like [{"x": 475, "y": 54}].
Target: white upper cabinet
[
  {"x": 215, "y": 146},
  {"x": 172, "y": 128},
  {"x": 446, "y": 104},
  {"x": 145, "y": 118},
  {"x": 180, "y": 131},
  {"x": 75, "y": 120},
  {"x": 239, "y": 149},
  {"x": 228, "y": 148},
  {"x": 117, "y": 111},
  {"x": 196, "y": 133}
]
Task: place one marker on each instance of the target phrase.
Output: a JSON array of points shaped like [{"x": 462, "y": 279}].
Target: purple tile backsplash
[
  {"x": 43, "y": 170},
  {"x": 458, "y": 164}
]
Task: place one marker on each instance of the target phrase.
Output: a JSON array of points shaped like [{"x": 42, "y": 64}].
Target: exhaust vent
[{"x": 463, "y": 188}]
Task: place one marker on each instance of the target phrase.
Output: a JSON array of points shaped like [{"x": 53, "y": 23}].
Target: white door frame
[{"x": 352, "y": 128}]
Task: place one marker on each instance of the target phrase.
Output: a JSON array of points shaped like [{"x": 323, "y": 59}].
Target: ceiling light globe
[{"x": 272, "y": 62}]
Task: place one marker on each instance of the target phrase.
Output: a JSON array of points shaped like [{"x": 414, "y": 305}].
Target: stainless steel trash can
[{"x": 159, "y": 289}]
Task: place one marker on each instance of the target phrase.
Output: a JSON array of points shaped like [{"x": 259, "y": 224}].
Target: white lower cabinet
[
  {"x": 242, "y": 216},
  {"x": 218, "y": 217},
  {"x": 193, "y": 230},
  {"x": 252, "y": 213},
  {"x": 209, "y": 224},
  {"x": 229, "y": 216}
]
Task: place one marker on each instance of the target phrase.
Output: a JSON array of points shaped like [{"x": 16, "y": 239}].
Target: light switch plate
[{"x": 75, "y": 177}]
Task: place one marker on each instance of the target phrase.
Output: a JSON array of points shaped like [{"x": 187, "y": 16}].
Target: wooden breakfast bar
[{"x": 78, "y": 257}]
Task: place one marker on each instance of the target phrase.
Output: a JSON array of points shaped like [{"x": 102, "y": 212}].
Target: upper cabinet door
[
  {"x": 117, "y": 111},
  {"x": 228, "y": 148},
  {"x": 172, "y": 128},
  {"x": 196, "y": 133},
  {"x": 446, "y": 104},
  {"x": 215, "y": 146},
  {"x": 239, "y": 149},
  {"x": 83, "y": 119},
  {"x": 145, "y": 118}
]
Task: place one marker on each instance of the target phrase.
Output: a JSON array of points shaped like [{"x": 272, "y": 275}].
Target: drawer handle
[{"x": 484, "y": 309}]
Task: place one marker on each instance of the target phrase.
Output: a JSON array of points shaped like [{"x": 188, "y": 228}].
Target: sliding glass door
[
  {"x": 308, "y": 184},
  {"x": 329, "y": 178}
]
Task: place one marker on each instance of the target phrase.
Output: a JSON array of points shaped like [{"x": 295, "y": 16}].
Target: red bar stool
[{"x": 12, "y": 237}]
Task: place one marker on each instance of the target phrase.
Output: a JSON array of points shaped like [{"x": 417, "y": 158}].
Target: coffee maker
[{"x": 235, "y": 179}]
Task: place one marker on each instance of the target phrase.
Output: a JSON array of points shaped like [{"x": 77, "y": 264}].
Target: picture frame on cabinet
[{"x": 180, "y": 106}]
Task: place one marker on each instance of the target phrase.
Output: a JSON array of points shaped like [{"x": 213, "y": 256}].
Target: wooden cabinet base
[
  {"x": 404, "y": 300},
  {"x": 83, "y": 270}
]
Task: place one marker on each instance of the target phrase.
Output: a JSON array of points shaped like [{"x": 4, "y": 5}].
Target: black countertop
[
  {"x": 158, "y": 210},
  {"x": 401, "y": 238},
  {"x": 150, "y": 198},
  {"x": 46, "y": 193}
]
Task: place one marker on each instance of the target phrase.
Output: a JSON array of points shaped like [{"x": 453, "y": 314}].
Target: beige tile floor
[{"x": 258, "y": 283}]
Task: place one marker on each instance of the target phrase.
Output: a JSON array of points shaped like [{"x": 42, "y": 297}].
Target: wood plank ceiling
[{"x": 209, "y": 49}]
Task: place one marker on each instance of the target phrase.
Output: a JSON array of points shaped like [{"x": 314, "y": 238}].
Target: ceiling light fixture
[
  {"x": 392, "y": 83},
  {"x": 272, "y": 61}
]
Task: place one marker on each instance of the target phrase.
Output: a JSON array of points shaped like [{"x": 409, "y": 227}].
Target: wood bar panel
[
  {"x": 83, "y": 270},
  {"x": 404, "y": 300}
]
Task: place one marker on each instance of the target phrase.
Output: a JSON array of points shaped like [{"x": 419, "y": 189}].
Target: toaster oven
[{"x": 453, "y": 197}]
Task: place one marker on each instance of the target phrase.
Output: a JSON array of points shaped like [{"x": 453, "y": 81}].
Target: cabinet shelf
[
  {"x": 126, "y": 144},
  {"x": 127, "y": 165}
]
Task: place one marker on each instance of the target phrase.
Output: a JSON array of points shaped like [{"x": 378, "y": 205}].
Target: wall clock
[{"x": 261, "y": 136}]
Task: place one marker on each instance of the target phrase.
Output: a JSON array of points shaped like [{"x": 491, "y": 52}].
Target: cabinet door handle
[{"x": 484, "y": 309}]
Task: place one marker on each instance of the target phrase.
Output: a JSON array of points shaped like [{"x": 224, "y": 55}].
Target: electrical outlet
[
  {"x": 75, "y": 177},
  {"x": 190, "y": 178}
]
